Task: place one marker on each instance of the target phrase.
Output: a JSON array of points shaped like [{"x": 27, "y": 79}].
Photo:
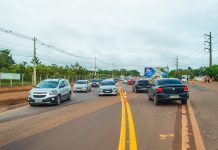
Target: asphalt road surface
[{"x": 90, "y": 122}]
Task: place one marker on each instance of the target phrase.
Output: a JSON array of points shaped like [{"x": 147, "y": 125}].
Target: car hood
[
  {"x": 80, "y": 85},
  {"x": 108, "y": 87},
  {"x": 43, "y": 89}
]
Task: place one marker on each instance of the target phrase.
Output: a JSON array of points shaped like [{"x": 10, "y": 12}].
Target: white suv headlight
[
  {"x": 29, "y": 93},
  {"x": 53, "y": 92}
]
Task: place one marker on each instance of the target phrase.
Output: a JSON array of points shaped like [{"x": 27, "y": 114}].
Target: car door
[
  {"x": 88, "y": 85},
  {"x": 66, "y": 88},
  {"x": 62, "y": 89}
]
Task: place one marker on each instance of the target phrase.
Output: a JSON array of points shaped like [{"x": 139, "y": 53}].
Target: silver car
[
  {"x": 82, "y": 86},
  {"x": 50, "y": 91},
  {"x": 108, "y": 87}
]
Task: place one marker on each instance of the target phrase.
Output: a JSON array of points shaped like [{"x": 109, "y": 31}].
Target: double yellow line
[{"x": 126, "y": 111}]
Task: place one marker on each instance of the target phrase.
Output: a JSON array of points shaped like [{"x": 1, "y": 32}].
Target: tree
[
  {"x": 5, "y": 59},
  {"x": 37, "y": 61},
  {"x": 212, "y": 71}
]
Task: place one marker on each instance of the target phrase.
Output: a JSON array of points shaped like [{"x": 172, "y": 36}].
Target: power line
[
  {"x": 15, "y": 34},
  {"x": 49, "y": 45}
]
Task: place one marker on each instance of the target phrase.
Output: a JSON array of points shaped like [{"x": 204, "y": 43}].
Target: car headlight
[
  {"x": 115, "y": 89},
  {"x": 53, "y": 92},
  {"x": 29, "y": 93}
]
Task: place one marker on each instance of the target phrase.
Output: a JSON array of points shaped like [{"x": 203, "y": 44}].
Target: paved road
[
  {"x": 94, "y": 123},
  {"x": 204, "y": 99}
]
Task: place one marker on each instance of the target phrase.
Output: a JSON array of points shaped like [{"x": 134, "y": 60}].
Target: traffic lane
[
  {"x": 21, "y": 128},
  {"x": 98, "y": 130},
  {"x": 32, "y": 110},
  {"x": 205, "y": 104},
  {"x": 155, "y": 125}
]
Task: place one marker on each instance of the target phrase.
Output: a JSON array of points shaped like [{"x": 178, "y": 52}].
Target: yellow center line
[
  {"x": 122, "y": 143},
  {"x": 132, "y": 135}
]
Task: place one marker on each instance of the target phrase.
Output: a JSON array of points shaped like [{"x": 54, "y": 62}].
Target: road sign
[
  {"x": 9, "y": 76},
  {"x": 149, "y": 72}
]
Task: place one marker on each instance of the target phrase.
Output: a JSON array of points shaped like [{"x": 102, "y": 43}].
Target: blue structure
[{"x": 149, "y": 72}]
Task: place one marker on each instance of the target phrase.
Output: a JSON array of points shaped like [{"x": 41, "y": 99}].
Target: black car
[
  {"x": 164, "y": 90},
  {"x": 141, "y": 85},
  {"x": 95, "y": 83}
]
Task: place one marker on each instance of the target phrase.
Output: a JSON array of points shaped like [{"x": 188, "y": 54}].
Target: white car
[
  {"x": 50, "y": 91},
  {"x": 82, "y": 86},
  {"x": 108, "y": 87}
]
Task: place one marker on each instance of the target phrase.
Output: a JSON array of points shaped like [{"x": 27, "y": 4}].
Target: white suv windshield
[
  {"x": 105, "y": 83},
  {"x": 47, "y": 84}
]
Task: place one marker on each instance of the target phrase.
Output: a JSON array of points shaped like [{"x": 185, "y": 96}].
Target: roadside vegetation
[
  {"x": 9, "y": 65},
  {"x": 211, "y": 72}
]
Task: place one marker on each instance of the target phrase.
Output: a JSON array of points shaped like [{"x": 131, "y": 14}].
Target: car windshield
[
  {"x": 105, "y": 83},
  {"x": 81, "y": 82},
  {"x": 143, "y": 82},
  {"x": 47, "y": 84},
  {"x": 165, "y": 82}
]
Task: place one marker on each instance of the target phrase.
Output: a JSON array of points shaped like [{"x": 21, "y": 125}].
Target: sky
[{"x": 132, "y": 34}]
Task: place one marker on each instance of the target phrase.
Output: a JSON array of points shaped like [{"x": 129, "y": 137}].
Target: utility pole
[
  {"x": 177, "y": 66},
  {"x": 209, "y": 46},
  {"x": 34, "y": 62},
  {"x": 95, "y": 67}
]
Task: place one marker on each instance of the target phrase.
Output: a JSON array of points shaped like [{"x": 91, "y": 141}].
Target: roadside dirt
[
  {"x": 12, "y": 100},
  {"x": 13, "y": 97},
  {"x": 14, "y": 89}
]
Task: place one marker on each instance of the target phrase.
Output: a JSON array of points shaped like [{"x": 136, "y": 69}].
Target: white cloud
[{"x": 129, "y": 33}]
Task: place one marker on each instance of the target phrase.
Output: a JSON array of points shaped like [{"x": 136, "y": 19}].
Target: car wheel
[
  {"x": 156, "y": 102},
  {"x": 31, "y": 104},
  {"x": 58, "y": 100},
  {"x": 90, "y": 89},
  {"x": 69, "y": 96},
  {"x": 184, "y": 101}
]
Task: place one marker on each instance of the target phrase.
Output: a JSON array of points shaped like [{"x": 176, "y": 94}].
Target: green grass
[{"x": 14, "y": 83}]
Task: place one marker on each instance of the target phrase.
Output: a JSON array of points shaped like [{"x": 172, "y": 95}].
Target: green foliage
[
  {"x": 7, "y": 64},
  {"x": 212, "y": 71},
  {"x": 5, "y": 59},
  {"x": 181, "y": 72}
]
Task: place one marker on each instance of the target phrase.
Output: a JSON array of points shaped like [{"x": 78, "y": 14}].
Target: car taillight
[
  {"x": 185, "y": 88},
  {"x": 159, "y": 90}
]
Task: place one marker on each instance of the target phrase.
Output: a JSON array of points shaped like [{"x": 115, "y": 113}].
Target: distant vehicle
[
  {"x": 131, "y": 82},
  {"x": 95, "y": 83},
  {"x": 125, "y": 81},
  {"x": 108, "y": 87},
  {"x": 50, "y": 91},
  {"x": 168, "y": 90},
  {"x": 82, "y": 86},
  {"x": 185, "y": 78},
  {"x": 141, "y": 85},
  {"x": 116, "y": 80}
]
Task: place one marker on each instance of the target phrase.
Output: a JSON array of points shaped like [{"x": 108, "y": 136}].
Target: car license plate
[
  {"x": 38, "y": 100},
  {"x": 174, "y": 96},
  {"x": 107, "y": 91}
]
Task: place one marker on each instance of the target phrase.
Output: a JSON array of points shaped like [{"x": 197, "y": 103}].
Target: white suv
[{"x": 50, "y": 91}]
